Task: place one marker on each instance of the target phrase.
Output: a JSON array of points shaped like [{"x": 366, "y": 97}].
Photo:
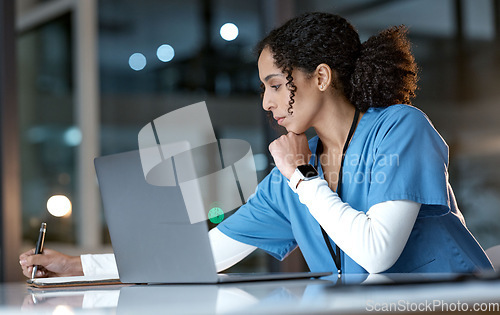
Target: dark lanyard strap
[{"x": 319, "y": 150}]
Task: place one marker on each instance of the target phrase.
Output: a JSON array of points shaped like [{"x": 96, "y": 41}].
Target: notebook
[
  {"x": 73, "y": 281},
  {"x": 152, "y": 237}
]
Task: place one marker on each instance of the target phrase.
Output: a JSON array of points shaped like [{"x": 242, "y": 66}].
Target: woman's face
[{"x": 277, "y": 96}]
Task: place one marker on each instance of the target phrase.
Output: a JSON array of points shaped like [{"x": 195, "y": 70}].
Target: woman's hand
[
  {"x": 51, "y": 264},
  {"x": 290, "y": 151}
]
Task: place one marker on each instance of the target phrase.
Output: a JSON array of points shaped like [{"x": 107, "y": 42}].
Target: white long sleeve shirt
[{"x": 374, "y": 239}]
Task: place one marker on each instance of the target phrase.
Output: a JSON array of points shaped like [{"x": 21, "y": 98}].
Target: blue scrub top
[{"x": 395, "y": 154}]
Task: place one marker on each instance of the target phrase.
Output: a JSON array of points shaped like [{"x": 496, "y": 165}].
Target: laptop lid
[{"x": 151, "y": 234}]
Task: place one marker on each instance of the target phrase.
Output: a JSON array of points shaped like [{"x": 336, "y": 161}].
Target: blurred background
[{"x": 82, "y": 77}]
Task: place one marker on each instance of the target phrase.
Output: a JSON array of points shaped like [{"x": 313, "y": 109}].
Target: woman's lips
[{"x": 279, "y": 120}]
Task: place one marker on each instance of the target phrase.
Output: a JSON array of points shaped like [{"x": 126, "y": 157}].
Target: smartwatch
[{"x": 303, "y": 173}]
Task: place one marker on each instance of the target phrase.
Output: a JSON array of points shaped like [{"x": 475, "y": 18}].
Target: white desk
[{"x": 279, "y": 297}]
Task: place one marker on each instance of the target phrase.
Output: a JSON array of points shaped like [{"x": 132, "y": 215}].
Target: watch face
[
  {"x": 216, "y": 215},
  {"x": 307, "y": 170}
]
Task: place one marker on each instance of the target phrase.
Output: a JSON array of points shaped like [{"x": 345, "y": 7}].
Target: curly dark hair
[{"x": 378, "y": 73}]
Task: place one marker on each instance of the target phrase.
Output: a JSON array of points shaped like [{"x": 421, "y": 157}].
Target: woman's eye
[{"x": 276, "y": 87}]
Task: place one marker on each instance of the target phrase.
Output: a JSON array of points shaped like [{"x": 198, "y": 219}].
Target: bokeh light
[
  {"x": 165, "y": 53},
  {"x": 73, "y": 136},
  {"x": 59, "y": 206},
  {"x": 62, "y": 309},
  {"x": 261, "y": 161},
  {"x": 137, "y": 61},
  {"x": 229, "y": 32}
]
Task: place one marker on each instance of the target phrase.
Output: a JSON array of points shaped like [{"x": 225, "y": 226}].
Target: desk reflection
[
  {"x": 86, "y": 298},
  {"x": 196, "y": 299},
  {"x": 352, "y": 293}
]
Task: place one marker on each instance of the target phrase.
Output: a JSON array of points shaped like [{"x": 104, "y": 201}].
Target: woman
[{"x": 374, "y": 197}]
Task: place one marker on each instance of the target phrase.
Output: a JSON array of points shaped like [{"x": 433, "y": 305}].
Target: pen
[{"x": 39, "y": 245}]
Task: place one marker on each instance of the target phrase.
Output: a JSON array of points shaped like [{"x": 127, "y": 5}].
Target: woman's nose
[{"x": 267, "y": 104}]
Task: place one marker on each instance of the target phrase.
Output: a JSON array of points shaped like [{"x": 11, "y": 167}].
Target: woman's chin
[{"x": 296, "y": 131}]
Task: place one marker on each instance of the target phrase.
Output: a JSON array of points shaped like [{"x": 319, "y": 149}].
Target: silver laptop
[{"x": 151, "y": 234}]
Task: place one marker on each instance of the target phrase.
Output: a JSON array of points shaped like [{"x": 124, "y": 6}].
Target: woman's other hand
[
  {"x": 290, "y": 151},
  {"x": 51, "y": 264}
]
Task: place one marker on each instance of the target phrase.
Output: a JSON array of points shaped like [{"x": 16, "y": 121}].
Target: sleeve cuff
[
  {"x": 294, "y": 180},
  {"x": 98, "y": 265}
]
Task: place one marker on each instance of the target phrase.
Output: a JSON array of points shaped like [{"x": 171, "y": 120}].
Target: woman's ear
[{"x": 324, "y": 76}]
